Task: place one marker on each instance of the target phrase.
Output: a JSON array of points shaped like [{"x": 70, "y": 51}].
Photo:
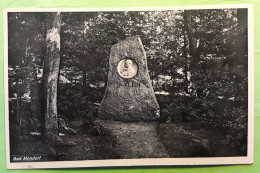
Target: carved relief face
[
  {"x": 127, "y": 68},
  {"x": 128, "y": 63}
]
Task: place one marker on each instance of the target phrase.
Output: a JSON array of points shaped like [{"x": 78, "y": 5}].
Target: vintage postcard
[{"x": 146, "y": 86}]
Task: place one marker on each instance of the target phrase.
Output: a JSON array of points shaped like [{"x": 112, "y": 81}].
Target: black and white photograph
[{"x": 129, "y": 87}]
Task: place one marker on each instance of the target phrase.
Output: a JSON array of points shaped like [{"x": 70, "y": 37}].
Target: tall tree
[{"x": 51, "y": 73}]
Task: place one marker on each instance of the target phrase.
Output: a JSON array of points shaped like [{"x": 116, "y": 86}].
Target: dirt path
[{"x": 136, "y": 140}]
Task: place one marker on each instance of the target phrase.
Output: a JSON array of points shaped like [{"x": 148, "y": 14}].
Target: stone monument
[{"x": 129, "y": 94}]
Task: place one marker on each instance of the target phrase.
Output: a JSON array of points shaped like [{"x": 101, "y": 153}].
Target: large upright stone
[{"x": 129, "y": 95}]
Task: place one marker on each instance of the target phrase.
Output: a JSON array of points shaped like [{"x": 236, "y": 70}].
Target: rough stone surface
[
  {"x": 136, "y": 139},
  {"x": 129, "y": 99}
]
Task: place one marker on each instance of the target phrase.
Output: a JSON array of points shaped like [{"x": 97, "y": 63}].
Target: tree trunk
[
  {"x": 35, "y": 103},
  {"x": 186, "y": 80},
  {"x": 185, "y": 70},
  {"x": 242, "y": 16},
  {"x": 194, "y": 48},
  {"x": 190, "y": 33},
  {"x": 242, "y": 40},
  {"x": 84, "y": 83},
  {"x": 242, "y": 53},
  {"x": 50, "y": 78}
]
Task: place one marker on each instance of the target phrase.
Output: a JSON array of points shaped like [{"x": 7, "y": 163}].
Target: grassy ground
[
  {"x": 136, "y": 140},
  {"x": 195, "y": 140},
  {"x": 88, "y": 146}
]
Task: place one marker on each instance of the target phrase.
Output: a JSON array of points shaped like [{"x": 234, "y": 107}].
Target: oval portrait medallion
[{"x": 127, "y": 68}]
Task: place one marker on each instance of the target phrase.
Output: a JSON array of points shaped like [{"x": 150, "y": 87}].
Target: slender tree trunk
[
  {"x": 194, "y": 48},
  {"x": 50, "y": 78},
  {"x": 242, "y": 16},
  {"x": 242, "y": 50},
  {"x": 190, "y": 33},
  {"x": 84, "y": 83},
  {"x": 186, "y": 81},
  {"x": 35, "y": 102},
  {"x": 185, "y": 70},
  {"x": 20, "y": 93},
  {"x": 18, "y": 113},
  {"x": 242, "y": 40}
]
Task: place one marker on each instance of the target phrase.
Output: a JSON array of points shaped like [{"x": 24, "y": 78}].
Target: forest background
[{"x": 197, "y": 61}]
